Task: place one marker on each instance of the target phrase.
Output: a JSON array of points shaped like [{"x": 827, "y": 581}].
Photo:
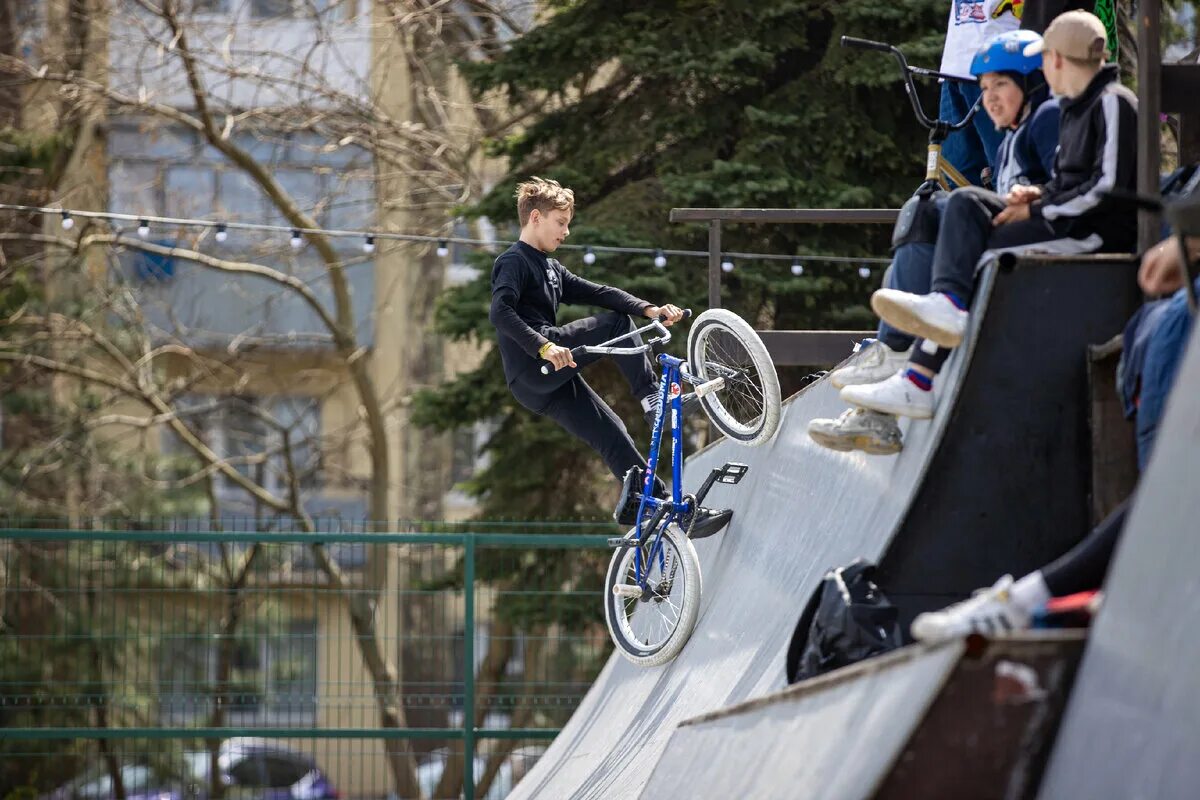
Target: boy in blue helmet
[
  {"x": 1018, "y": 102},
  {"x": 1071, "y": 213}
]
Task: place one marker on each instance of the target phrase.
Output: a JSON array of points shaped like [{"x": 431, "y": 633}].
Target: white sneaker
[
  {"x": 896, "y": 395},
  {"x": 990, "y": 611},
  {"x": 930, "y": 316},
  {"x": 858, "y": 429},
  {"x": 872, "y": 362}
]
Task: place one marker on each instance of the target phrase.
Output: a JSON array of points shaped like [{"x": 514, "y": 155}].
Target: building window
[
  {"x": 272, "y": 677},
  {"x": 250, "y": 433}
]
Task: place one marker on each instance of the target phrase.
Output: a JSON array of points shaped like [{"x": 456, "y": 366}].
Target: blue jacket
[{"x": 1026, "y": 156}]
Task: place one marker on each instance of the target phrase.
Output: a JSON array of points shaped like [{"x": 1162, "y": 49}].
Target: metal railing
[
  {"x": 785, "y": 347},
  {"x": 123, "y": 647}
]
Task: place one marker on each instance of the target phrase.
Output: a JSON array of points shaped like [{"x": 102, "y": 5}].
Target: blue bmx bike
[{"x": 653, "y": 587}]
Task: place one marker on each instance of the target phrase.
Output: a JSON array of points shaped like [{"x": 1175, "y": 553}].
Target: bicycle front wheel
[
  {"x": 722, "y": 345},
  {"x": 651, "y": 628}
]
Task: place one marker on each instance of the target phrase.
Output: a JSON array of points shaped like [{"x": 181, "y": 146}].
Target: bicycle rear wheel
[
  {"x": 651, "y": 629},
  {"x": 722, "y": 345}
]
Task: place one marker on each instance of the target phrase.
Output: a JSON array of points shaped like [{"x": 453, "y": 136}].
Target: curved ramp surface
[
  {"x": 807, "y": 740},
  {"x": 1132, "y": 728},
  {"x": 803, "y": 509}
]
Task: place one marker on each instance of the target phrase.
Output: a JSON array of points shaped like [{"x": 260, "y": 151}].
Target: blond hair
[{"x": 544, "y": 195}]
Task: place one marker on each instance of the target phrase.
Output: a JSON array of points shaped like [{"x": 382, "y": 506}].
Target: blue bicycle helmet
[{"x": 1006, "y": 53}]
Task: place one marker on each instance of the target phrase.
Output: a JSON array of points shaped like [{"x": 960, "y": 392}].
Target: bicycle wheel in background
[
  {"x": 651, "y": 630},
  {"x": 722, "y": 345}
]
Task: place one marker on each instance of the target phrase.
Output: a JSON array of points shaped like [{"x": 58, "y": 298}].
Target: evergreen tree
[{"x": 690, "y": 103}]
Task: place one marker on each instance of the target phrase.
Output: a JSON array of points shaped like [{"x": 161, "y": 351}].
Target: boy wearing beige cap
[{"x": 1072, "y": 213}]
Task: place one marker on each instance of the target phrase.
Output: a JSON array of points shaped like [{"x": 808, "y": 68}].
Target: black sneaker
[
  {"x": 690, "y": 404},
  {"x": 704, "y": 522}
]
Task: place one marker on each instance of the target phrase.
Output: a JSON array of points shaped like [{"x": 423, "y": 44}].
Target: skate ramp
[
  {"x": 806, "y": 741},
  {"x": 1132, "y": 728},
  {"x": 803, "y": 509}
]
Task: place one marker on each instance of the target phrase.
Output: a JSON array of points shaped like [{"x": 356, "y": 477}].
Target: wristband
[{"x": 542, "y": 350}]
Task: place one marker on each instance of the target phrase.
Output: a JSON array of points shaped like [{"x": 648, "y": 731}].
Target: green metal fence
[{"x": 198, "y": 663}]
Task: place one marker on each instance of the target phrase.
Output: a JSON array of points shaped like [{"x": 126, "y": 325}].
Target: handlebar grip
[
  {"x": 865, "y": 44},
  {"x": 687, "y": 312}
]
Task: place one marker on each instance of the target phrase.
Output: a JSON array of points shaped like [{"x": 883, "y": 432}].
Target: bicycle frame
[{"x": 664, "y": 512}]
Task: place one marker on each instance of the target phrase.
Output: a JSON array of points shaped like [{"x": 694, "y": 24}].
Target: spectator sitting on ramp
[
  {"x": 1008, "y": 605},
  {"x": 527, "y": 287},
  {"x": 1018, "y": 101},
  {"x": 1072, "y": 213}
]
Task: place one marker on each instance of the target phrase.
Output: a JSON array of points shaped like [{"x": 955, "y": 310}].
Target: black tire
[
  {"x": 722, "y": 344},
  {"x": 652, "y": 632}
]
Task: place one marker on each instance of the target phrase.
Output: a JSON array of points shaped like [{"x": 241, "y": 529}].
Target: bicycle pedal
[
  {"x": 621, "y": 541},
  {"x": 626, "y": 590},
  {"x": 733, "y": 472}
]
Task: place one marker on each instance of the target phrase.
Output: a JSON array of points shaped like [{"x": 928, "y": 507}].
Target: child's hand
[
  {"x": 1023, "y": 194},
  {"x": 1162, "y": 269},
  {"x": 672, "y": 313},
  {"x": 560, "y": 357},
  {"x": 1012, "y": 213}
]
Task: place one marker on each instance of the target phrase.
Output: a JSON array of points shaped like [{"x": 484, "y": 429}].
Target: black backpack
[{"x": 846, "y": 620}]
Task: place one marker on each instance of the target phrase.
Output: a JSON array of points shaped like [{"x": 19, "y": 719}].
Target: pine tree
[{"x": 690, "y": 103}]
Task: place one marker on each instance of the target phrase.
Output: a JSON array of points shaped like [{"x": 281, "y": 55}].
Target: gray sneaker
[
  {"x": 858, "y": 429},
  {"x": 873, "y": 361}
]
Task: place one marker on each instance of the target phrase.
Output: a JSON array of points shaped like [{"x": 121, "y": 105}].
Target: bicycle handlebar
[
  {"x": 907, "y": 72},
  {"x": 607, "y": 348}
]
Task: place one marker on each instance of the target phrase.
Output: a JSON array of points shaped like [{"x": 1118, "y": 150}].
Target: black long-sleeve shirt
[{"x": 527, "y": 288}]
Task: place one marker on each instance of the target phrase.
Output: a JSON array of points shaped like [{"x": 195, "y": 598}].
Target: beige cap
[{"x": 1075, "y": 34}]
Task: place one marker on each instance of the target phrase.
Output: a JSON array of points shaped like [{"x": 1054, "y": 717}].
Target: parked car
[{"x": 250, "y": 769}]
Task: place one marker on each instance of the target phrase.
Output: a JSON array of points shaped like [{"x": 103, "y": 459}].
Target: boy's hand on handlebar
[
  {"x": 559, "y": 357},
  {"x": 672, "y": 313}
]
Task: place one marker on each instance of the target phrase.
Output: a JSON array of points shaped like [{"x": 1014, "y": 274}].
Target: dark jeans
[
  {"x": 967, "y": 233},
  {"x": 1082, "y": 568},
  {"x": 566, "y": 398},
  {"x": 909, "y": 272}
]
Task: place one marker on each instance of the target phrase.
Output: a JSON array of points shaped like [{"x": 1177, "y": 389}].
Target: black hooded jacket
[{"x": 1097, "y": 153}]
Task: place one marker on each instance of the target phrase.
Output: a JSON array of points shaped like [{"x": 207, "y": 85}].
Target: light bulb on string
[
  {"x": 369, "y": 245},
  {"x": 589, "y": 256},
  {"x": 297, "y": 239},
  {"x": 727, "y": 265},
  {"x": 797, "y": 269},
  {"x": 222, "y": 234},
  {"x": 67, "y": 221},
  {"x": 864, "y": 272},
  {"x": 443, "y": 249},
  {"x": 660, "y": 258},
  {"x": 143, "y": 228}
]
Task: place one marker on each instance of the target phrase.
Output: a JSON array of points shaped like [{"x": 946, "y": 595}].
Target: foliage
[{"x": 688, "y": 103}]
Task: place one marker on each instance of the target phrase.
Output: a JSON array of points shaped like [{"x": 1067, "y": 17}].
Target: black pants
[
  {"x": 967, "y": 232},
  {"x": 1082, "y": 568},
  {"x": 566, "y": 398}
]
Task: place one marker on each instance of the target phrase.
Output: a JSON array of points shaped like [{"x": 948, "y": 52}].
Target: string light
[
  {"x": 660, "y": 258},
  {"x": 864, "y": 272},
  {"x": 369, "y": 245},
  {"x": 443, "y": 249},
  {"x": 143, "y": 229},
  {"x": 589, "y": 251},
  {"x": 797, "y": 269},
  {"x": 727, "y": 265}
]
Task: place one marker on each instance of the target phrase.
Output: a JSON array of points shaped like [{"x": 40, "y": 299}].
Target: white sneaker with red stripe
[{"x": 930, "y": 316}]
